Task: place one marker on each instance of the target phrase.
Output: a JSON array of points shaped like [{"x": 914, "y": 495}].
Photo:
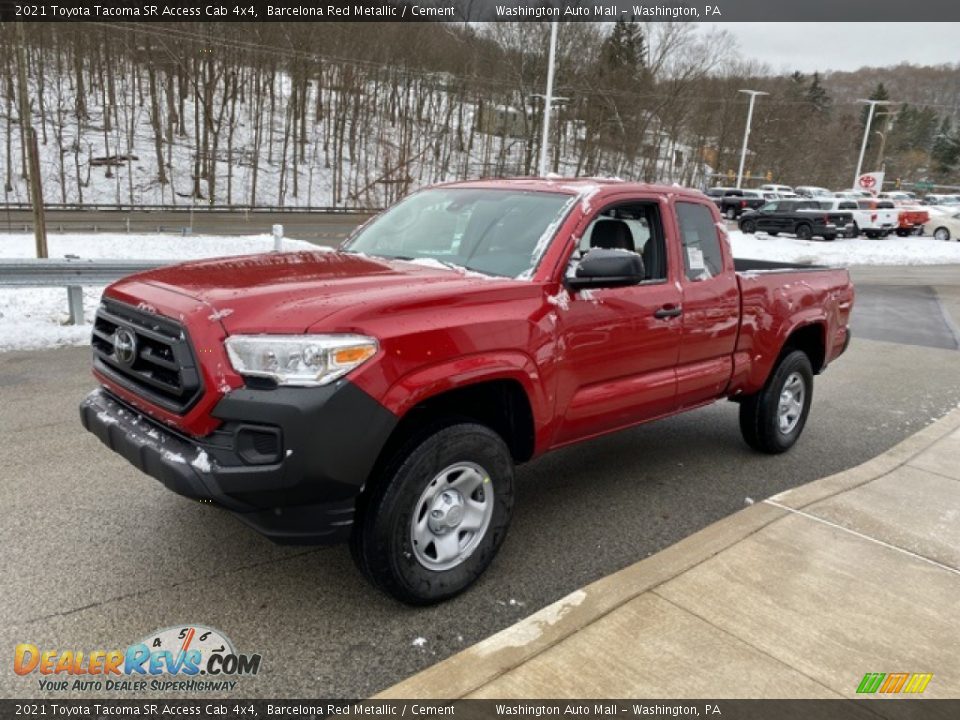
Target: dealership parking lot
[{"x": 97, "y": 555}]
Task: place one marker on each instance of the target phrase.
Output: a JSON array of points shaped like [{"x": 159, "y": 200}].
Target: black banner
[
  {"x": 890, "y": 708},
  {"x": 859, "y": 11}
]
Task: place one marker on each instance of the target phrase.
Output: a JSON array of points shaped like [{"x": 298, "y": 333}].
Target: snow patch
[
  {"x": 560, "y": 300},
  {"x": 419, "y": 642},
  {"x": 843, "y": 252},
  {"x": 174, "y": 457},
  {"x": 530, "y": 629},
  {"x": 201, "y": 462},
  {"x": 220, "y": 314}
]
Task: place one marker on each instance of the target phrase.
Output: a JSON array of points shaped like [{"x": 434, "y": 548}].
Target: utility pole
[
  {"x": 548, "y": 99},
  {"x": 33, "y": 161},
  {"x": 866, "y": 135},
  {"x": 746, "y": 132}
]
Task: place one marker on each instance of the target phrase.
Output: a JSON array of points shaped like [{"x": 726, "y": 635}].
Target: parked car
[
  {"x": 851, "y": 194},
  {"x": 911, "y": 220},
  {"x": 938, "y": 199},
  {"x": 812, "y": 191},
  {"x": 898, "y": 197},
  {"x": 803, "y": 218},
  {"x": 945, "y": 225},
  {"x": 779, "y": 189},
  {"x": 873, "y": 218},
  {"x": 733, "y": 202},
  {"x": 382, "y": 394}
]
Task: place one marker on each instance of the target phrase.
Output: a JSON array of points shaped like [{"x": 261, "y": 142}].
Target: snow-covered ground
[
  {"x": 892, "y": 250},
  {"x": 32, "y": 318}
]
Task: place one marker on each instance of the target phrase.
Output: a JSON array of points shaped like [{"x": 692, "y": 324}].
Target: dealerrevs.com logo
[{"x": 188, "y": 658}]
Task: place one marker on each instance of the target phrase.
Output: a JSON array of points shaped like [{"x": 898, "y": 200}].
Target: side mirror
[{"x": 602, "y": 268}]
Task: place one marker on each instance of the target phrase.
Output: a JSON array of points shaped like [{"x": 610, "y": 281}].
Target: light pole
[
  {"x": 866, "y": 134},
  {"x": 746, "y": 132},
  {"x": 548, "y": 99}
]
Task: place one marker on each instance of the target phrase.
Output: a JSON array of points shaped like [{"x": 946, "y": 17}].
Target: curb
[{"x": 478, "y": 665}]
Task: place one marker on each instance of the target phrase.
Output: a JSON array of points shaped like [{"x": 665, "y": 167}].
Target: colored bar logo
[{"x": 890, "y": 683}]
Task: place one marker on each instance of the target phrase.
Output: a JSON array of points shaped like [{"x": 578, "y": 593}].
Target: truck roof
[{"x": 571, "y": 186}]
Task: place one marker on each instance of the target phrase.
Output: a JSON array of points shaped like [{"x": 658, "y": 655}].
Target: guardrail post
[
  {"x": 278, "y": 238},
  {"x": 75, "y": 303}
]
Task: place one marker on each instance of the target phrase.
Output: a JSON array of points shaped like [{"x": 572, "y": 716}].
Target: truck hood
[{"x": 290, "y": 292}]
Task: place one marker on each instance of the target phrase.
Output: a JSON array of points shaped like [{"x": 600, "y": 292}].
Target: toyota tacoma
[{"x": 383, "y": 393}]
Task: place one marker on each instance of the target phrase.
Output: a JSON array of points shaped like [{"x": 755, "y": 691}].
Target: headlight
[{"x": 304, "y": 360}]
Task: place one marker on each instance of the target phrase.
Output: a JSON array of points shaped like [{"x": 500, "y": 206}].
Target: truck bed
[
  {"x": 775, "y": 299},
  {"x": 743, "y": 265}
]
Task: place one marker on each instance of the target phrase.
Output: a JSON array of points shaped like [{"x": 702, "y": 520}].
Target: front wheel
[
  {"x": 941, "y": 233},
  {"x": 436, "y": 519},
  {"x": 772, "y": 420},
  {"x": 748, "y": 226},
  {"x": 902, "y": 232}
]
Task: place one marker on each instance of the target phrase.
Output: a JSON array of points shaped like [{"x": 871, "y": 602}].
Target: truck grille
[{"x": 146, "y": 354}]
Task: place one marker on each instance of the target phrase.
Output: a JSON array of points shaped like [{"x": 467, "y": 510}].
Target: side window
[
  {"x": 633, "y": 227},
  {"x": 702, "y": 257}
]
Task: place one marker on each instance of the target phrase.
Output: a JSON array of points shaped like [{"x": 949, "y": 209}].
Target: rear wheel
[
  {"x": 772, "y": 420},
  {"x": 854, "y": 231},
  {"x": 804, "y": 231},
  {"x": 872, "y": 234},
  {"x": 902, "y": 232},
  {"x": 941, "y": 233},
  {"x": 436, "y": 520},
  {"x": 829, "y": 238},
  {"x": 748, "y": 226}
]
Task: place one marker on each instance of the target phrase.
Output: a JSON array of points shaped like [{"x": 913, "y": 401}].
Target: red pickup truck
[{"x": 383, "y": 393}]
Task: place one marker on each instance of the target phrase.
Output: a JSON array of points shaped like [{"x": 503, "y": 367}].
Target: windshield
[{"x": 496, "y": 232}]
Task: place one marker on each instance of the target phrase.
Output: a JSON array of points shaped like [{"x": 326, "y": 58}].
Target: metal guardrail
[
  {"x": 186, "y": 208},
  {"x": 71, "y": 273}
]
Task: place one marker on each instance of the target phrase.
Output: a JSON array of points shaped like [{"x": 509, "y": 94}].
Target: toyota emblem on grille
[{"x": 124, "y": 346}]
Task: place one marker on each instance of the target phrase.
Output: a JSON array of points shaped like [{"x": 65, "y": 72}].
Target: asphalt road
[{"x": 95, "y": 555}]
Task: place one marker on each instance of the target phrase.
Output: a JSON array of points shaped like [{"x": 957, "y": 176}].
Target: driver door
[{"x": 618, "y": 347}]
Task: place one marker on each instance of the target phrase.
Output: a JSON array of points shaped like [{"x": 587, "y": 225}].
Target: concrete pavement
[{"x": 799, "y": 595}]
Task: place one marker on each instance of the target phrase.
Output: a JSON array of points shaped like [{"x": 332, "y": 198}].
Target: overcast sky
[{"x": 845, "y": 46}]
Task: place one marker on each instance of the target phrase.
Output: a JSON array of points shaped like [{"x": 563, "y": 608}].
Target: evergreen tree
[
  {"x": 945, "y": 153},
  {"x": 624, "y": 52},
  {"x": 817, "y": 95}
]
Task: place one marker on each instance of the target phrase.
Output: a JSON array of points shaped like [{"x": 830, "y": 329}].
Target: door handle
[{"x": 668, "y": 311}]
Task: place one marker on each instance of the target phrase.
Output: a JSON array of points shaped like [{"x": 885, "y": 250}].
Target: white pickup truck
[{"x": 873, "y": 218}]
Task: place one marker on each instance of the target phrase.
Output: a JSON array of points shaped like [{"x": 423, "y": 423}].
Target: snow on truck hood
[{"x": 290, "y": 292}]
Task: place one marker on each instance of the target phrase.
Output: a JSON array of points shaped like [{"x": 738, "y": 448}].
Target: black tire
[
  {"x": 829, "y": 238},
  {"x": 871, "y": 234},
  {"x": 759, "y": 418},
  {"x": 804, "y": 231},
  {"x": 945, "y": 235},
  {"x": 731, "y": 213},
  {"x": 854, "y": 232},
  {"x": 382, "y": 543},
  {"x": 903, "y": 233},
  {"x": 748, "y": 226},
  {"x": 773, "y": 233}
]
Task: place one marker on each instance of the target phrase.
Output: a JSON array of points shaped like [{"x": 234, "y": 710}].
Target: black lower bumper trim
[{"x": 330, "y": 438}]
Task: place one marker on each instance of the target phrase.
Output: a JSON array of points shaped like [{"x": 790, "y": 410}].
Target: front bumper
[{"x": 289, "y": 462}]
